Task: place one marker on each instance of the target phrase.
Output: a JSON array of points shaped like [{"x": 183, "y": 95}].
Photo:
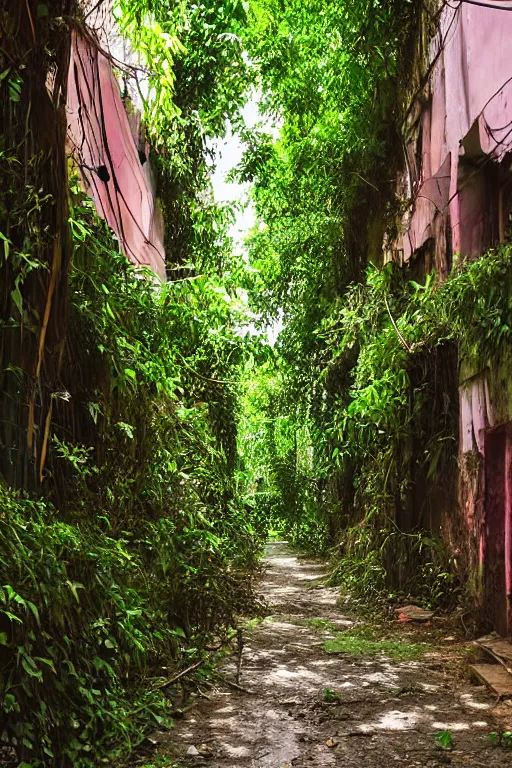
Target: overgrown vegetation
[
  {"x": 330, "y": 75},
  {"x": 358, "y": 417},
  {"x": 126, "y": 549},
  {"x": 355, "y": 645},
  {"x": 149, "y": 441},
  {"x": 394, "y": 424}
]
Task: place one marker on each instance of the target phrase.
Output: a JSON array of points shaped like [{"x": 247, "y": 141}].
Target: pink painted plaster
[
  {"x": 475, "y": 414},
  {"x": 471, "y": 84},
  {"x": 508, "y": 527},
  {"x": 102, "y": 136}
]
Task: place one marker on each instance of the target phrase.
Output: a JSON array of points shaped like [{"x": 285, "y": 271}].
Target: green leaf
[
  {"x": 18, "y": 299},
  {"x": 444, "y": 739},
  {"x": 15, "y": 89},
  {"x": 35, "y": 611},
  {"x": 10, "y": 703},
  {"x": 74, "y": 587},
  {"x": 506, "y": 739},
  {"x": 30, "y": 667},
  {"x": 126, "y": 428},
  {"x": 494, "y": 739},
  {"x": 12, "y": 617},
  {"x": 7, "y": 243},
  {"x": 48, "y": 662}
]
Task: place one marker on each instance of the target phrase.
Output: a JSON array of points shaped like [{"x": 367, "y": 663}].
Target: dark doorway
[{"x": 497, "y": 564}]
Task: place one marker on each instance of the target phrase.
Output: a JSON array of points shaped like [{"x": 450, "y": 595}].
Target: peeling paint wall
[
  {"x": 485, "y": 457},
  {"x": 107, "y": 146},
  {"x": 458, "y": 136},
  {"x": 461, "y": 132}
]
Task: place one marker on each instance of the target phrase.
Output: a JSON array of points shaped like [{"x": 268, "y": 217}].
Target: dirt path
[{"x": 376, "y": 712}]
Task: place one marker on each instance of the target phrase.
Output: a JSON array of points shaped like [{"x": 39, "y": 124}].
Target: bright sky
[{"x": 229, "y": 153}]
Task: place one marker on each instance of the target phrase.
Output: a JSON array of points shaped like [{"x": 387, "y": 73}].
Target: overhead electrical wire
[{"x": 488, "y": 5}]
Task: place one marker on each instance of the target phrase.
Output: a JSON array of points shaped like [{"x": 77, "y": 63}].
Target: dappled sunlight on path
[{"x": 306, "y": 707}]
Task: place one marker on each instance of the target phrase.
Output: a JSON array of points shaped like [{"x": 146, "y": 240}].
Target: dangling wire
[{"x": 488, "y": 5}]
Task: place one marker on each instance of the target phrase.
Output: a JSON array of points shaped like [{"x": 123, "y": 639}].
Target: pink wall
[
  {"x": 508, "y": 526},
  {"x": 476, "y": 417},
  {"x": 103, "y": 137},
  {"x": 458, "y": 177},
  {"x": 470, "y": 87}
]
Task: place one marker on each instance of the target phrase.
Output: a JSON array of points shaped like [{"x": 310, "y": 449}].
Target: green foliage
[
  {"x": 195, "y": 64},
  {"x": 79, "y": 623},
  {"x": 331, "y": 696},
  {"x": 379, "y": 563},
  {"x": 355, "y": 644},
  {"x": 381, "y": 407},
  {"x": 161, "y": 762},
  {"x": 139, "y": 549},
  {"x": 174, "y": 441},
  {"x": 276, "y": 468},
  {"x": 444, "y": 739},
  {"x": 328, "y": 76},
  {"x": 170, "y": 356},
  {"x": 147, "y": 554},
  {"x": 386, "y": 370},
  {"x": 398, "y": 328},
  {"x": 367, "y": 361},
  {"x": 321, "y": 625},
  {"x": 500, "y": 739},
  {"x": 195, "y": 84}
]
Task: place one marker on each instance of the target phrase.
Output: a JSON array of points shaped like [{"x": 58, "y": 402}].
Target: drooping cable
[{"x": 488, "y": 5}]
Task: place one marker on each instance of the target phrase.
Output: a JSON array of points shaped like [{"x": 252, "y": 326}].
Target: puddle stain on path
[{"x": 385, "y": 712}]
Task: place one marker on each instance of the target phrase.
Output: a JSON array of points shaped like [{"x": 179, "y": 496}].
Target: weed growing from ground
[
  {"x": 364, "y": 642},
  {"x": 444, "y": 739}
]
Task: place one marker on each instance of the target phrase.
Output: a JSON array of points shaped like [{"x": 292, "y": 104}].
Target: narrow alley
[{"x": 398, "y": 701}]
